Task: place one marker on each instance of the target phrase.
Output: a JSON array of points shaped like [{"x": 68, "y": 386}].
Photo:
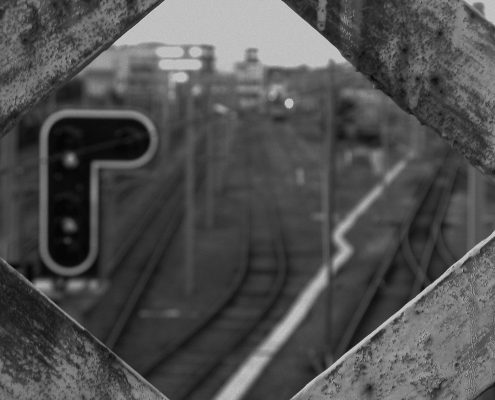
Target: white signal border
[
  {"x": 94, "y": 184},
  {"x": 247, "y": 373}
]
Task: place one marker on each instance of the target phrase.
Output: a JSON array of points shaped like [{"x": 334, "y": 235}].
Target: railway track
[
  {"x": 418, "y": 257},
  {"x": 203, "y": 354},
  {"x": 196, "y": 364},
  {"x": 149, "y": 233}
]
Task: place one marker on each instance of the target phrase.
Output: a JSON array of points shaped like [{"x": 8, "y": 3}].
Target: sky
[{"x": 281, "y": 36}]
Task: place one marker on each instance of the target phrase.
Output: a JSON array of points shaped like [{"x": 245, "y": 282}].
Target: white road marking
[{"x": 247, "y": 373}]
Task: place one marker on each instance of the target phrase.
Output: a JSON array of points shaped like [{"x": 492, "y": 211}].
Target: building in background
[
  {"x": 250, "y": 82},
  {"x": 223, "y": 90},
  {"x": 127, "y": 77},
  {"x": 140, "y": 76}
]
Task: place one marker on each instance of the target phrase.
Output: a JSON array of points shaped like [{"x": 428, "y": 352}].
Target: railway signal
[{"x": 74, "y": 146}]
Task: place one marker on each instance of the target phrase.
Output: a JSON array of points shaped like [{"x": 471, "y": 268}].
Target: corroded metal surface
[
  {"x": 46, "y": 355},
  {"x": 441, "y": 345},
  {"x": 45, "y": 42},
  {"x": 436, "y": 59}
]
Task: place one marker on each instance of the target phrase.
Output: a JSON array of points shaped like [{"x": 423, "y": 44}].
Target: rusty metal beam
[
  {"x": 44, "y": 43},
  {"x": 439, "y": 346},
  {"x": 436, "y": 59},
  {"x": 46, "y": 355}
]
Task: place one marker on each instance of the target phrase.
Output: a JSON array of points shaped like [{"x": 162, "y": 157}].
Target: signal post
[
  {"x": 328, "y": 202},
  {"x": 210, "y": 160},
  {"x": 475, "y": 211},
  {"x": 184, "y": 62},
  {"x": 10, "y": 229},
  {"x": 74, "y": 146},
  {"x": 190, "y": 206}
]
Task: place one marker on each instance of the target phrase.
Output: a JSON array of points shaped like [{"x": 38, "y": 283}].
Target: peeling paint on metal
[
  {"x": 350, "y": 26},
  {"x": 45, "y": 43},
  {"x": 440, "y": 345},
  {"x": 472, "y": 309},
  {"x": 436, "y": 59},
  {"x": 47, "y": 355}
]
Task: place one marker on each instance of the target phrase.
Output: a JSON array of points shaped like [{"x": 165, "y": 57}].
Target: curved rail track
[
  {"x": 148, "y": 236},
  {"x": 204, "y": 352},
  {"x": 195, "y": 365},
  {"x": 418, "y": 257}
]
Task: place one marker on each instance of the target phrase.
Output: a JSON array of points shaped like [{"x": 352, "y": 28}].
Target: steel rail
[
  {"x": 155, "y": 214},
  {"x": 435, "y": 228},
  {"x": 245, "y": 273},
  {"x": 133, "y": 299},
  {"x": 417, "y": 263},
  {"x": 274, "y": 295},
  {"x": 439, "y": 199},
  {"x": 445, "y": 250},
  {"x": 385, "y": 266},
  {"x": 167, "y": 190},
  {"x": 191, "y": 333}
]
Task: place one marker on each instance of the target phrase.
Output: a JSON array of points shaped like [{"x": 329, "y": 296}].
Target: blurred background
[{"x": 264, "y": 148}]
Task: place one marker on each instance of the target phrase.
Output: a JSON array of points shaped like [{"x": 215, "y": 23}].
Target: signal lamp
[
  {"x": 170, "y": 52},
  {"x": 70, "y": 160},
  {"x": 195, "y": 52},
  {"x": 289, "y": 103},
  {"x": 69, "y": 225}
]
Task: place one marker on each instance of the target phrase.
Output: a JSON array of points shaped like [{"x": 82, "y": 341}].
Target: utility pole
[
  {"x": 109, "y": 216},
  {"x": 210, "y": 160},
  {"x": 328, "y": 201},
  {"x": 10, "y": 202},
  {"x": 227, "y": 125},
  {"x": 385, "y": 133},
  {"x": 475, "y": 194},
  {"x": 475, "y": 206},
  {"x": 189, "y": 248},
  {"x": 418, "y": 136},
  {"x": 164, "y": 116}
]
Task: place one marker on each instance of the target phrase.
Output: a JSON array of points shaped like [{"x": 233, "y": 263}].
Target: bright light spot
[
  {"x": 170, "y": 52},
  {"x": 289, "y": 103},
  {"x": 180, "y": 77},
  {"x": 197, "y": 90},
  {"x": 195, "y": 52},
  {"x": 220, "y": 109},
  {"x": 180, "y": 64},
  {"x": 69, "y": 225},
  {"x": 70, "y": 160}
]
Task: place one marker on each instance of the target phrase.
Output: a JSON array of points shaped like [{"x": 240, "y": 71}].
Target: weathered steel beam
[
  {"x": 436, "y": 59},
  {"x": 441, "y": 345},
  {"x": 46, "y": 355},
  {"x": 45, "y": 43}
]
